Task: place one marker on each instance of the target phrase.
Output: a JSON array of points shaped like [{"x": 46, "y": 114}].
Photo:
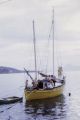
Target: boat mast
[
  {"x": 34, "y": 41},
  {"x": 53, "y": 39}
]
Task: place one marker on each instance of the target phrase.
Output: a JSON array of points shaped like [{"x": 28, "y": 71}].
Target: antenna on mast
[{"x": 34, "y": 41}]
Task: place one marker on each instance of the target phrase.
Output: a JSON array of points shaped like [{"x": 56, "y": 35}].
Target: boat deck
[{"x": 58, "y": 84}]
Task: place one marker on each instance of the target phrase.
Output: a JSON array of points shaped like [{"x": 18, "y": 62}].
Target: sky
[{"x": 16, "y": 35}]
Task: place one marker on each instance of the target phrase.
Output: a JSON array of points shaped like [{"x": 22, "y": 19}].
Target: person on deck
[
  {"x": 53, "y": 78},
  {"x": 26, "y": 85}
]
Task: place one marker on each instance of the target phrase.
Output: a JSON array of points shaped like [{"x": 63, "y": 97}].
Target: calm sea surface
[{"x": 60, "y": 108}]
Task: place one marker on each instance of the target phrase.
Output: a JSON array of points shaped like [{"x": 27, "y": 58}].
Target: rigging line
[
  {"x": 48, "y": 48},
  {"x": 28, "y": 74},
  {"x": 9, "y": 107}
]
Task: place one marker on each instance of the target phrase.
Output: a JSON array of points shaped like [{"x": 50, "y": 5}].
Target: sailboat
[{"x": 48, "y": 86}]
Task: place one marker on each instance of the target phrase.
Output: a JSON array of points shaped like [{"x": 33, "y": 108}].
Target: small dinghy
[{"x": 10, "y": 100}]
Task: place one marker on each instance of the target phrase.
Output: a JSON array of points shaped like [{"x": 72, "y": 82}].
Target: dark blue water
[{"x": 63, "y": 107}]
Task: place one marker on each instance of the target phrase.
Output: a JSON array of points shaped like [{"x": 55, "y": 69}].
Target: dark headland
[{"x": 7, "y": 70}]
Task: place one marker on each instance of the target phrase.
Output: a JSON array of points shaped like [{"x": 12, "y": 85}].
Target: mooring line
[{"x": 9, "y": 107}]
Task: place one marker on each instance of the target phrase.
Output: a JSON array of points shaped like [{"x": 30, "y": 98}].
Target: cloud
[
  {"x": 16, "y": 33},
  {"x": 17, "y": 16}
]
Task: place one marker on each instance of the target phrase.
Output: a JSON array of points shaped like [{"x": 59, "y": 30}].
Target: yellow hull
[{"x": 42, "y": 94}]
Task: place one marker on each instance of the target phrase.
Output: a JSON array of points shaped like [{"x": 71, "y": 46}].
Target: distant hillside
[{"x": 7, "y": 70}]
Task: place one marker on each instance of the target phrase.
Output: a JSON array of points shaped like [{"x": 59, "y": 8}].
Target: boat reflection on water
[{"x": 54, "y": 108}]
